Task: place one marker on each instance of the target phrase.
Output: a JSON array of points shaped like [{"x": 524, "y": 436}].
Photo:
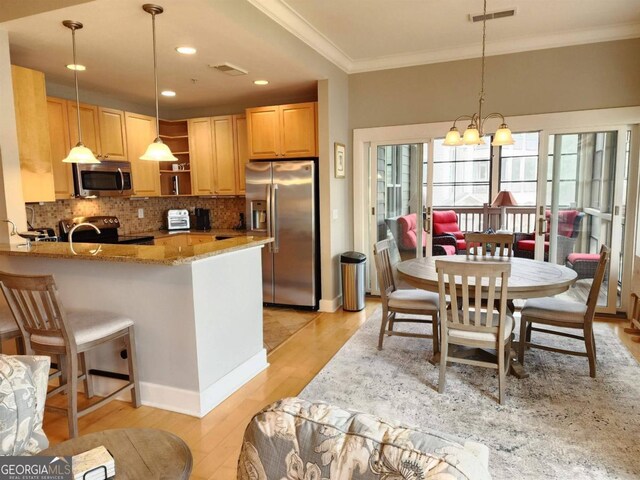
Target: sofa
[
  {"x": 569, "y": 222},
  {"x": 404, "y": 230},
  {"x": 297, "y": 439},
  {"x": 23, "y": 392}
]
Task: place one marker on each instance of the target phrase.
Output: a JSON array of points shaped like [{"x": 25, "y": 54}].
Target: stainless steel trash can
[{"x": 352, "y": 265}]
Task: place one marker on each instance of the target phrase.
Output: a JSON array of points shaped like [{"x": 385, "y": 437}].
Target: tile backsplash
[{"x": 225, "y": 211}]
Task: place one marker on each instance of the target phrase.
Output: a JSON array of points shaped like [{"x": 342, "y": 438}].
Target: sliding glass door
[
  {"x": 579, "y": 208},
  {"x": 397, "y": 193}
]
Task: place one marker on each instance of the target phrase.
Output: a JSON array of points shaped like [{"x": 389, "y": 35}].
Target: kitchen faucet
[
  {"x": 14, "y": 232},
  {"x": 75, "y": 227}
]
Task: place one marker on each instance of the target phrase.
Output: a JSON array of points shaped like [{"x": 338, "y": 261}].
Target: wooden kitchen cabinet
[
  {"x": 282, "y": 131},
  {"x": 113, "y": 134},
  {"x": 224, "y": 155},
  {"x": 141, "y": 131},
  {"x": 201, "y": 156},
  {"x": 32, "y": 124},
  {"x": 60, "y": 146},
  {"x": 89, "y": 121},
  {"x": 242, "y": 152}
]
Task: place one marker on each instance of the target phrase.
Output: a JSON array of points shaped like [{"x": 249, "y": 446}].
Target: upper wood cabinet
[
  {"x": 282, "y": 131},
  {"x": 242, "y": 152},
  {"x": 141, "y": 131},
  {"x": 201, "y": 156},
  {"x": 224, "y": 155},
  {"x": 89, "y": 122},
  {"x": 32, "y": 123},
  {"x": 59, "y": 136},
  {"x": 113, "y": 134}
]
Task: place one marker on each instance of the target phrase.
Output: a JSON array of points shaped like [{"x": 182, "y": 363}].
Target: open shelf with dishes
[{"x": 175, "y": 177}]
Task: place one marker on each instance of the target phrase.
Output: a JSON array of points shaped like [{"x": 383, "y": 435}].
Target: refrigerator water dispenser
[{"x": 259, "y": 215}]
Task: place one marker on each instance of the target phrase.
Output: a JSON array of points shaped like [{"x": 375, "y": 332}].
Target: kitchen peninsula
[{"x": 197, "y": 311}]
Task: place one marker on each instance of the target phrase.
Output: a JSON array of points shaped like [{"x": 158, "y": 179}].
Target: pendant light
[
  {"x": 157, "y": 151},
  {"x": 79, "y": 153},
  {"x": 475, "y": 131}
]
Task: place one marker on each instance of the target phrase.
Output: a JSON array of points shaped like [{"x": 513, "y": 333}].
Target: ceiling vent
[
  {"x": 492, "y": 16},
  {"x": 230, "y": 69}
]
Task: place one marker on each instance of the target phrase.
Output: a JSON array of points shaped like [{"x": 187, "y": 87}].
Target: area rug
[{"x": 558, "y": 423}]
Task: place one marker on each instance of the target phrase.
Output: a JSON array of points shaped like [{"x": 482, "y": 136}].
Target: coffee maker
[{"x": 202, "y": 218}]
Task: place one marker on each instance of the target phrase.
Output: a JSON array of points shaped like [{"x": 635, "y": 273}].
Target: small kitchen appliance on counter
[
  {"x": 202, "y": 218},
  {"x": 178, "y": 220},
  {"x": 108, "y": 231}
]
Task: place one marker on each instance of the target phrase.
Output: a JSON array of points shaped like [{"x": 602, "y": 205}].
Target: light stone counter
[{"x": 151, "y": 254}]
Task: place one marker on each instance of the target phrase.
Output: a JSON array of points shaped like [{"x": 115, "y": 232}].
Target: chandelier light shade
[
  {"x": 79, "y": 153},
  {"x": 475, "y": 131},
  {"x": 157, "y": 151}
]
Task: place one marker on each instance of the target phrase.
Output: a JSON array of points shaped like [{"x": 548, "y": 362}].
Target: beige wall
[{"x": 601, "y": 75}]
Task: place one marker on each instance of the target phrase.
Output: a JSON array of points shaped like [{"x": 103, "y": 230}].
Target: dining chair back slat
[
  {"x": 384, "y": 266},
  {"x": 594, "y": 291},
  {"x": 489, "y": 244}
]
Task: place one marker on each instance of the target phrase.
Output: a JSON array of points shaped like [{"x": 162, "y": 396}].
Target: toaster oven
[{"x": 178, "y": 220}]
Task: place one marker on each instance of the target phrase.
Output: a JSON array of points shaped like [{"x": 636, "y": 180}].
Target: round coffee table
[{"x": 138, "y": 452}]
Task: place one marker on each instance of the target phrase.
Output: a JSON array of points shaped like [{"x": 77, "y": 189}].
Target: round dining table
[{"x": 528, "y": 279}]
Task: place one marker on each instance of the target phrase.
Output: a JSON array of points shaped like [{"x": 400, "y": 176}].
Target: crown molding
[
  {"x": 280, "y": 12},
  {"x": 503, "y": 47}
]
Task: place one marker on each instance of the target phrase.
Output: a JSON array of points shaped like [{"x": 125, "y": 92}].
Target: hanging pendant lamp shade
[
  {"x": 157, "y": 151},
  {"x": 79, "y": 153}
]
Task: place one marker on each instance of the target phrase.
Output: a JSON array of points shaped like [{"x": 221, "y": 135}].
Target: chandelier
[{"x": 475, "y": 131}]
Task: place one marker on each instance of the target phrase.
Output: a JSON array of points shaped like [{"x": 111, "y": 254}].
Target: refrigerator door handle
[
  {"x": 269, "y": 231},
  {"x": 274, "y": 218}
]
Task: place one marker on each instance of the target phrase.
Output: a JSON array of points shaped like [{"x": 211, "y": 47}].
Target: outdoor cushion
[
  {"x": 23, "y": 391},
  {"x": 87, "y": 326},
  {"x": 450, "y": 249},
  {"x": 408, "y": 235},
  {"x": 482, "y": 336},
  {"x": 461, "y": 244},
  {"x": 297, "y": 439},
  {"x": 583, "y": 257},
  {"x": 551, "y": 308},
  {"x": 530, "y": 245},
  {"x": 414, "y": 299}
]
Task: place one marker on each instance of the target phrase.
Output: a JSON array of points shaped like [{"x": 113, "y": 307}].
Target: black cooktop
[{"x": 108, "y": 233}]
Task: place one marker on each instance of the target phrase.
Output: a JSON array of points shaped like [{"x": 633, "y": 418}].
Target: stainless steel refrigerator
[{"x": 282, "y": 203}]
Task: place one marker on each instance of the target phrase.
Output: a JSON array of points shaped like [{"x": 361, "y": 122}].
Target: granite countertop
[{"x": 149, "y": 254}]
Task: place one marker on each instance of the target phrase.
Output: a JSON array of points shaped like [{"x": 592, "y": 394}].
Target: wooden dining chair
[
  {"x": 407, "y": 301},
  {"x": 570, "y": 314},
  {"x": 489, "y": 244},
  {"x": 50, "y": 330},
  {"x": 467, "y": 323}
]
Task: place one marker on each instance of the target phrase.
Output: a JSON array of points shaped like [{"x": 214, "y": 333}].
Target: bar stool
[
  {"x": 9, "y": 329},
  {"x": 51, "y": 330}
]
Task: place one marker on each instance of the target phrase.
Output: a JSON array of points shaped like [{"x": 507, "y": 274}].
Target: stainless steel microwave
[{"x": 106, "y": 179}]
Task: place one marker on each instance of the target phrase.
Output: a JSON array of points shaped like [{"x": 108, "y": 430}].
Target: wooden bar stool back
[{"x": 48, "y": 329}]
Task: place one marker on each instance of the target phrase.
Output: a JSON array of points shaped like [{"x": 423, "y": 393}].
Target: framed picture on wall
[{"x": 339, "y": 159}]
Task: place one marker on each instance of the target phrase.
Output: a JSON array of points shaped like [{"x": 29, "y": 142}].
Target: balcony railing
[{"x": 479, "y": 219}]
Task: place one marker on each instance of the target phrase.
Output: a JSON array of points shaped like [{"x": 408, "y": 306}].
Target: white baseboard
[
  {"x": 216, "y": 393},
  {"x": 189, "y": 402},
  {"x": 330, "y": 306}
]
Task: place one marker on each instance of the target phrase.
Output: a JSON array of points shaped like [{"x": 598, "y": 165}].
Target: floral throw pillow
[{"x": 23, "y": 391}]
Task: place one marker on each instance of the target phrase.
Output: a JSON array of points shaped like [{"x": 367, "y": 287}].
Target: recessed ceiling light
[
  {"x": 261, "y": 82},
  {"x": 186, "y": 50},
  {"x": 80, "y": 68},
  {"x": 168, "y": 93}
]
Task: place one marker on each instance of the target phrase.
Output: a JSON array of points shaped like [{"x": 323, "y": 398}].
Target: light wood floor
[{"x": 215, "y": 439}]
